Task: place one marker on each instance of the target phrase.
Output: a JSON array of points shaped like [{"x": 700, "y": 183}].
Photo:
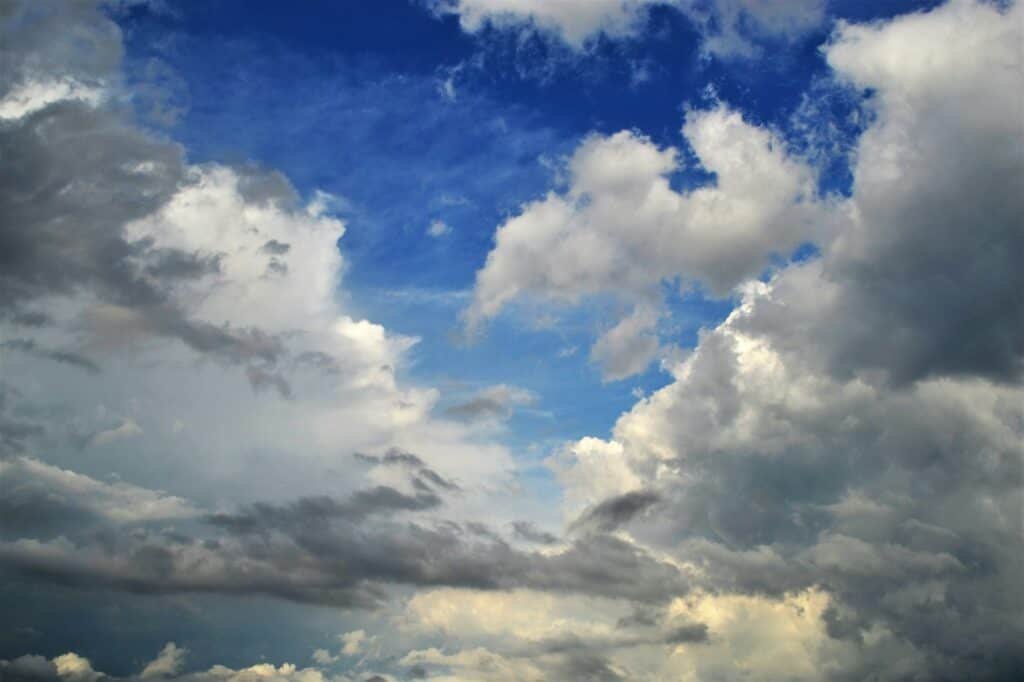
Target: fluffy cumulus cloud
[
  {"x": 621, "y": 228},
  {"x": 828, "y": 488},
  {"x": 854, "y": 426}
]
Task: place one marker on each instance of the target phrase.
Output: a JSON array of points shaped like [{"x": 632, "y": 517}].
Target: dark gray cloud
[
  {"x": 75, "y": 174},
  {"x": 49, "y": 152},
  {"x": 275, "y": 248},
  {"x": 616, "y": 511},
  {"x": 318, "y": 512},
  {"x": 343, "y": 553},
  {"x": 868, "y": 493},
  {"x": 30, "y": 347},
  {"x": 692, "y": 633},
  {"x": 56, "y": 39},
  {"x": 16, "y": 427},
  {"x": 587, "y": 665},
  {"x": 129, "y": 174},
  {"x": 526, "y": 530},
  {"x": 41, "y": 501},
  {"x": 171, "y": 264},
  {"x": 29, "y": 668},
  {"x": 857, "y": 425},
  {"x": 423, "y": 477},
  {"x": 260, "y": 378}
]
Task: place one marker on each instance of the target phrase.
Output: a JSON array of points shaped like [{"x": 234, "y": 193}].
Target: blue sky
[
  {"x": 510, "y": 340},
  {"x": 354, "y": 104}
]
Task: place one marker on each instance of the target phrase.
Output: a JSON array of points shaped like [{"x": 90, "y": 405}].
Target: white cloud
[
  {"x": 168, "y": 663},
  {"x": 438, "y": 229},
  {"x": 278, "y": 268},
  {"x": 621, "y": 229},
  {"x": 729, "y": 28},
  {"x": 591, "y": 470},
  {"x": 352, "y": 642},
  {"x": 32, "y": 96},
  {"x": 573, "y": 20},
  {"x": 126, "y": 429},
  {"x": 275, "y": 289},
  {"x": 71, "y": 666},
  {"x": 324, "y": 657},
  {"x": 734, "y": 28}
]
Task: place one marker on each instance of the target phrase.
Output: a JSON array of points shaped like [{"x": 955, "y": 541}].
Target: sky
[{"x": 494, "y": 340}]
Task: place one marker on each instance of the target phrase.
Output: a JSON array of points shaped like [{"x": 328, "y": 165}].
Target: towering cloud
[{"x": 856, "y": 423}]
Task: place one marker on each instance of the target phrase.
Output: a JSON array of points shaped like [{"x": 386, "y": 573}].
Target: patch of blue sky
[{"x": 412, "y": 123}]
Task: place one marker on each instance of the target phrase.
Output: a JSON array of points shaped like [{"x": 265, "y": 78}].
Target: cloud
[
  {"x": 527, "y": 531},
  {"x": 320, "y": 550},
  {"x": 67, "y": 357},
  {"x": 728, "y": 28},
  {"x": 533, "y": 635},
  {"x": 592, "y": 470},
  {"x": 212, "y": 291},
  {"x": 628, "y": 347},
  {"x": 327, "y": 552},
  {"x": 15, "y": 428},
  {"x": 438, "y": 229},
  {"x": 72, "y": 667},
  {"x": 126, "y": 429},
  {"x": 621, "y": 229},
  {"x": 741, "y": 28},
  {"x": 352, "y": 642},
  {"x": 615, "y": 511},
  {"x": 39, "y": 498},
  {"x": 575, "y": 21},
  {"x": 620, "y": 226},
  {"x": 828, "y": 488},
  {"x": 841, "y": 431},
  {"x": 942, "y": 294},
  {"x": 492, "y": 403},
  {"x": 49, "y": 150},
  {"x": 167, "y": 664}
]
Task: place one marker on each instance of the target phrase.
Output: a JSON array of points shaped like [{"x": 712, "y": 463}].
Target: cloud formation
[
  {"x": 728, "y": 28},
  {"x": 843, "y": 428},
  {"x": 828, "y": 488},
  {"x": 621, "y": 228}
]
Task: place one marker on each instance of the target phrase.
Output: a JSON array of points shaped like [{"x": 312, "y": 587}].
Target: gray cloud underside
[{"x": 316, "y": 550}]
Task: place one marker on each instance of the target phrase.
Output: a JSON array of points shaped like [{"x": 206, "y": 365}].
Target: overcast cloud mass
[{"x": 511, "y": 340}]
